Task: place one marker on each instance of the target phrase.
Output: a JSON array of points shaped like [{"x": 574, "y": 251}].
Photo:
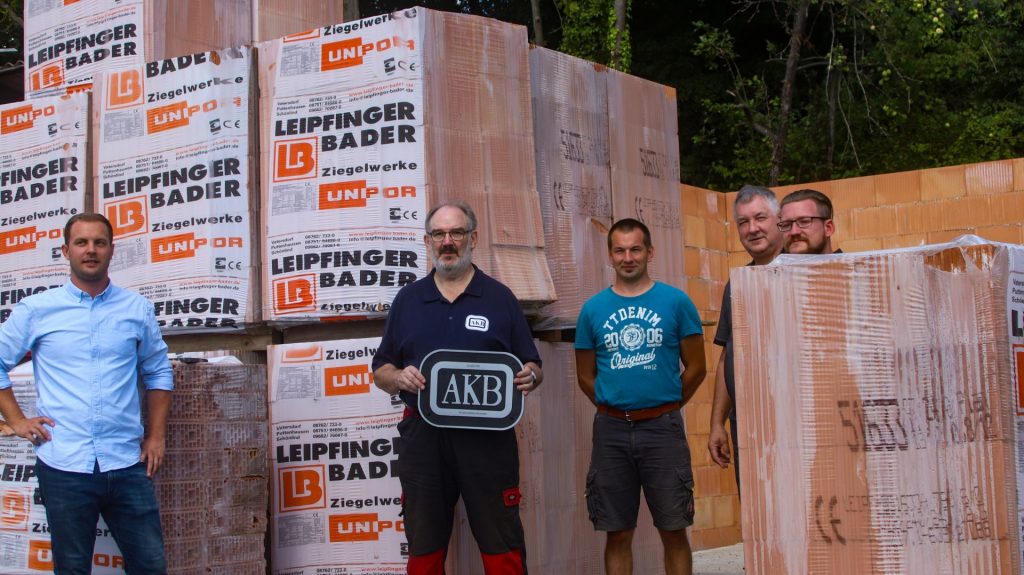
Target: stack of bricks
[
  {"x": 705, "y": 213},
  {"x": 212, "y": 486}
]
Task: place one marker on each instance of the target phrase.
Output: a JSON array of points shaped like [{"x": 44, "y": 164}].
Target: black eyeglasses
[
  {"x": 802, "y": 223},
  {"x": 456, "y": 235}
]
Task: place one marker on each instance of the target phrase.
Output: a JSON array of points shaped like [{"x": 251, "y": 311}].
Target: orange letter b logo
[{"x": 302, "y": 488}]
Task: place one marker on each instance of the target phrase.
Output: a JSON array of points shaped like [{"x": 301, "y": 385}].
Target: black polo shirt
[{"x": 485, "y": 317}]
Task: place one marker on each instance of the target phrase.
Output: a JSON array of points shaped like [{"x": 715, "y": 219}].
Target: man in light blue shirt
[{"x": 90, "y": 342}]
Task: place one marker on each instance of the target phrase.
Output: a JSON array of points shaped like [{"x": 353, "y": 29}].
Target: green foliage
[
  {"x": 589, "y": 32},
  {"x": 10, "y": 31}
]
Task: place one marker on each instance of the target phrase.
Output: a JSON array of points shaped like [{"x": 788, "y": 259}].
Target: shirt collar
[
  {"x": 475, "y": 287},
  {"x": 79, "y": 295}
]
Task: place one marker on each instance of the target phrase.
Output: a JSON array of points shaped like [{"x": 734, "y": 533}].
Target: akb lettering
[{"x": 73, "y": 46}]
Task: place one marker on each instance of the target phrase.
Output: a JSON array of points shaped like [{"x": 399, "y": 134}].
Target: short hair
[
  {"x": 88, "y": 217},
  {"x": 470, "y": 215},
  {"x": 821, "y": 200},
  {"x": 749, "y": 193},
  {"x": 627, "y": 225}
]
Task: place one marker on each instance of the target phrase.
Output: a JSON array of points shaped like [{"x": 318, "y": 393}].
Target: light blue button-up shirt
[{"x": 87, "y": 354}]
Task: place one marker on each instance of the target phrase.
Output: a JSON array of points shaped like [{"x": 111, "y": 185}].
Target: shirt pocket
[{"x": 122, "y": 341}]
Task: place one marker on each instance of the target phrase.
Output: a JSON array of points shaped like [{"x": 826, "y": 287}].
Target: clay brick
[
  {"x": 941, "y": 237},
  {"x": 690, "y": 198},
  {"x": 1018, "y": 174},
  {"x": 717, "y": 288},
  {"x": 956, "y": 214},
  {"x": 717, "y": 234},
  {"x": 904, "y": 241},
  {"x": 730, "y": 199},
  {"x": 719, "y": 266},
  {"x": 874, "y": 222},
  {"x": 932, "y": 218},
  {"x": 703, "y": 514},
  {"x": 732, "y": 238},
  {"x": 723, "y": 510},
  {"x": 694, "y": 232},
  {"x": 1007, "y": 208},
  {"x": 843, "y": 222},
  {"x": 714, "y": 537},
  {"x": 898, "y": 188},
  {"x": 943, "y": 183},
  {"x": 910, "y": 218},
  {"x": 1010, "y": 234},
  {"x": 713, "y": 205},
  {"x": 692, "y": 262},
  {"x": 853, "y": 193},
  {"x": 989, "y": 178},
  {"x": 699, "y": 291},
  {"x": 860, "y": 245},
  {"x": 737, "y": 259},
  {"x": 980, "y": 208}
]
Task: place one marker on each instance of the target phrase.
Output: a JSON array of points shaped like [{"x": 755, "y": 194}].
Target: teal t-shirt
[{"x": 636, "y": 341}]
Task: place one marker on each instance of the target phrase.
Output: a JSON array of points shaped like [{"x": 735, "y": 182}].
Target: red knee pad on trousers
[
  {"x": 510, "y": 563},
  {"x": 431, "y": 564}
]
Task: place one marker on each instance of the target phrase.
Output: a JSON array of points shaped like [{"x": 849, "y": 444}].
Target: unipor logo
[
  {"x": 355, "y": 194},
  {"x": 301, "y": 488},
  {"x": 348, "y": 53},
  {"x": 303, "y": 354},
  {"x": 174, "y": 115},
  {"x": 23, "y": 239},
  {"x": 50, "y": 75},
  {"x": 295, "y": 294},
  {"x": 124, "y": 89},
  {"x": 22, "y": 117},
  {"x": 128, "y": 217},
  {"x": 180, "y": 246},
  {"x": 295, "y": 159},
  {"x": 347, "y": 380},
  {"x": 14, "y": 507},
  {"x": 360, "y": 527}
]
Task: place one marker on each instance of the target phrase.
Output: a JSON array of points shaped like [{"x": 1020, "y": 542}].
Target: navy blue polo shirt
[{"x": 485, "y": 317}]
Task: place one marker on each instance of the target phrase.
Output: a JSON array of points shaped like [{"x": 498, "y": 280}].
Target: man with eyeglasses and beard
[
  {"x": 806, "y": 221},
  {"x": 456, "y": 307}
]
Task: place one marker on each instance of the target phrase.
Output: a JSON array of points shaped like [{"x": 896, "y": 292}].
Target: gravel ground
[{"x": 721, "y": 561}]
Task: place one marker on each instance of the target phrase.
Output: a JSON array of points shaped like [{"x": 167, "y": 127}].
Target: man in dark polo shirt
[
  {"x": 456, "y": 307},
  {"x": 756, "y": 212}
]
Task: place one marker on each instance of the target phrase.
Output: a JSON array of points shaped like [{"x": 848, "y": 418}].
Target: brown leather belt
[{"x": 640, "y": 414}]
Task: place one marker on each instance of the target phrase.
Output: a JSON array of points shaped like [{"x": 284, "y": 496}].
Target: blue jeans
[{"x": 126, "y": 500}]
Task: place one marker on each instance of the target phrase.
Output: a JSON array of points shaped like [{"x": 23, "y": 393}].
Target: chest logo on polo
[{"x": 477, "y": 323}]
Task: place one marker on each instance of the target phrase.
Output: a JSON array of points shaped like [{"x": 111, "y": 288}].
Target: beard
[{"x": 456, "y": 268}]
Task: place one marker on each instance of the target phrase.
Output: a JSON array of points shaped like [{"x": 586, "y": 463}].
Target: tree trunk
[
  {"x": 620, "y": 32},
  {"x": 350, "y": 9},
  {"x": 538, "y": 26},
  {"x": 796, "y": 40},
  {"x": 832, "y": 88}
]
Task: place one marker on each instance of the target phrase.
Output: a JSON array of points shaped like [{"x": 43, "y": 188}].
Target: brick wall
[{"x": 871, "y": 213}]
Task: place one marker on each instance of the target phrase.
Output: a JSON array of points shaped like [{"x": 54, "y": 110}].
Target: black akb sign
[{"x": 471, "y": 389}]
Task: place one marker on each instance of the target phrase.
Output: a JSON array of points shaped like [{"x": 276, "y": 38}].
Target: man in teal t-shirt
[{"x": 630, "y": 339}]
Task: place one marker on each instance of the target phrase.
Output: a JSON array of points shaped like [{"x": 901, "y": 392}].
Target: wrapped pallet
[
  {"x": 44, "y": 172},
  {"x": 172, "y": 173},
  {"x": 571, "y": 133},
  {"x": 67, "y": 43},
  {"x": 881, "y": 410},
  {"x": 212, "y": 485},
  {"x": 366, "y": 124},
  {"x": 336, "y": 506},
  {"x": 644, "y": 149}
]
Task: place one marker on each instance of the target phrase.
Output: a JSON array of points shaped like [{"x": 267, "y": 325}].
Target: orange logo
[
  {"x": 305, "y": 354},
  {"x": 174, "y": 115},
  {"x": 348, "y": 53},
  {"x": 128, "y": 217},
  {"x": 301, "y": 488},
  {"x": 40, "y": 556},
  {"x": 295, "y": 159},
  {"x": 49, "y": 76},
  {"x": 295, "y": 294},
  {"x": 355, "y": 194},
  {"x": 14, "y": 507},
  {"x": 23, "y": 239},
  {"x": 22, "y": 118},
  {"x": 125, "y": 89},
  {"x": 302, "y": 36},
  {"x": 360, "y": 527},
  {"x": 347, "y": 380},
  {"x": 180, "y": 246}
]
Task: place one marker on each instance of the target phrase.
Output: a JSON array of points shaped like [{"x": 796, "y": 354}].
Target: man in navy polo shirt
[{"x": 456, "y": 307}]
